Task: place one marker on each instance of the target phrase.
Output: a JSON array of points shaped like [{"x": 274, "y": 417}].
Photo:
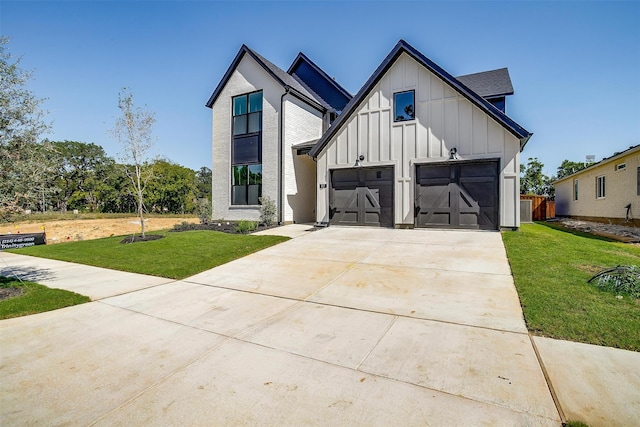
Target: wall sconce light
[
  {"x": 453, "y": 154},
  {"x": 358, "y": 160}
]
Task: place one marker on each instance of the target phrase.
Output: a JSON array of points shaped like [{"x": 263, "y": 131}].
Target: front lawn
[
  {"x": 176, "y": 256},
  {"x": 35, "y": 299},
  {"x": 551, "y": 268}
]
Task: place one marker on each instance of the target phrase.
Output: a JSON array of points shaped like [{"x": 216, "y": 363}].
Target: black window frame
[
  {"x": 576, "y": 189},
  {"x": 246, "y": 192},
  {"x": 412, "y": 116}
]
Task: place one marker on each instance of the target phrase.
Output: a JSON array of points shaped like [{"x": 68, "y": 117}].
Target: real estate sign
[{"x": 15, "y": 241}]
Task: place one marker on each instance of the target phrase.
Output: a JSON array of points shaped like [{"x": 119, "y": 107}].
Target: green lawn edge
[
  {"x": 176, "y": 256},
  {"x": 551, "y": 267},
  {"x": 35, "y": 299}
]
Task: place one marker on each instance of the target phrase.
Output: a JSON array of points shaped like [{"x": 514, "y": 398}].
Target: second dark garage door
[
  {"x": 362, "y": 196},
  {"x": 457, "y": 195}
]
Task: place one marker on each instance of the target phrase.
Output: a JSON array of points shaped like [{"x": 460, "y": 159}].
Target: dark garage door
[
  {"x": 362, "y": 196},
  {"x": 457, "y": 195}
]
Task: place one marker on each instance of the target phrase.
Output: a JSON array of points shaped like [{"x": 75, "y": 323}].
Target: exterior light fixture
[
  {"x": 453, "y": 154},
  {"x": 359, "y": 160}
]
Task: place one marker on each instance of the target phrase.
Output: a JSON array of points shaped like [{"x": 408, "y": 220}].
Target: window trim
[
  {"x": 246, "y": 135},
  {"x": 395, "y": 118},
  {"x": 601, "y": 187}
]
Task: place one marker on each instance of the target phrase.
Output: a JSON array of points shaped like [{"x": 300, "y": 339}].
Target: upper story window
[
  {"x": 621, "y": 166},
  {"x": 247, "y": 113},
  {"x": 246, "y": 149},
  {"x": 404, "y": 106},
  {"x": 600, "y": 187},
  {"x": 575, "y": 189},
  {"x": 638, "y": 182}
]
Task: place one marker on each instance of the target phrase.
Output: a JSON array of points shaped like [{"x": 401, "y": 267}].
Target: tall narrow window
[
  {"x": 575, "y": 189},
  {"x": 638, "y": 182},
  {"x": 404, "y": 106},
  {"x": 246, "y": 149},
  {"x": 600, "y": 187}
]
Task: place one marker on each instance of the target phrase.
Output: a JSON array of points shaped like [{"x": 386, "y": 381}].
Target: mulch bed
[
  {"x": 146, "y": 238},
  {"x": 229, "y": 227},
  {"x": 10, "y": 292}
]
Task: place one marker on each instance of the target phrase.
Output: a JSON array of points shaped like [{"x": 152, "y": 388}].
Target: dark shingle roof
[
  {"x": 489, "y": 84},
  {"x": 403, "y": 47},
  {"x": 319, "y": 82},
  {"x": 277, "y": 73}
]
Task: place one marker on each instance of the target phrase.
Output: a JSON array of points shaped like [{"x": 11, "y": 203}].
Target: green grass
[
  {"x": 176, "y": 256},
  {"x": 551, "y": 267},
  {"x": 36, "y": 299}
]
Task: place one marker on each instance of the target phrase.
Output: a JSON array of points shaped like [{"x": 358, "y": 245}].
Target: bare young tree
[{"x": 133, "y": 131}]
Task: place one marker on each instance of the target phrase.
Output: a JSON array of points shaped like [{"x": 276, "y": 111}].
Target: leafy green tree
[
  {"x": 80, "y": 167},
  {"x": 568, "y": 167},
  {"x": 133, "y": 131},
  {"x": 112, "y": 192},
  {"x": 173, "y": 188},
  {"x": 203, "y": 181},
  {"x": 533, "y": 181},
  {"x": 24, "y": 159}
]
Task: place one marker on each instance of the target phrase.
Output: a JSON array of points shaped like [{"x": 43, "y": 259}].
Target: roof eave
[
  {"x": 604, "y": 161},
  {"x": 401, "y": 47},
  {"x": 302, "y": 57},
  {"x": 244, "y": 49}
]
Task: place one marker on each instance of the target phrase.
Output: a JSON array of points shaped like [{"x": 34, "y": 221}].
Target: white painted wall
[
  {"x": 444, "y": 119},
  {"x": 620, "y": 190},
  {"x": 302, "y": 123},
  {"x": 249, "y": 76}
]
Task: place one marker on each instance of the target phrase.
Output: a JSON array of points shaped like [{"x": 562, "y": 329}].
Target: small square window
[
  {"x": 404, "y": 106},
  {"x": 621, "y": 166}
]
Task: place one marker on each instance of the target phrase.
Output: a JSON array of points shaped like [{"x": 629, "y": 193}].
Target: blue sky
[{"x": 575, "y": 66}]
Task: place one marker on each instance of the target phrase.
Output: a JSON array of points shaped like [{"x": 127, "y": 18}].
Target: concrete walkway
[{"x": 342, "y": 326}]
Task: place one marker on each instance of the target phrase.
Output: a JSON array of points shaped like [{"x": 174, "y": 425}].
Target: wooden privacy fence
[{"x": 541, "y": 208}]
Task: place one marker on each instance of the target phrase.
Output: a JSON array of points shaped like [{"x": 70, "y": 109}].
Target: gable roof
[
  {"x": 489, "y": 84},
  {"x": 314, "y": 77},
  {"x": 285, "y": 80},
  {"x": 403, "y": 47},
  {"x": 615, "y": 156}
]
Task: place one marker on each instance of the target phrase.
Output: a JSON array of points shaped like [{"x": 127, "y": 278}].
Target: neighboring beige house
[
  {"x": 607, "y": 191},
  {"x": 415, "y": 147}
]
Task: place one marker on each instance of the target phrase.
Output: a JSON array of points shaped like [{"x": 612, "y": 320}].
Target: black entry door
[
  {"x": 362, "y": 196},
  {"x": 458, "y": 195}
]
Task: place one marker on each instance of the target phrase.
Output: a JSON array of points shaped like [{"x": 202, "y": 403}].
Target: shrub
[
  {"x": 245, "y": 226},
  {"x": 203, "y": 210},
  {"x": 267, "y": 211},
  {"x": 623, "y": 279}
]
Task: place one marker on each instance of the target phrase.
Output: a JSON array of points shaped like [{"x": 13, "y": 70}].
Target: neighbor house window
[
  {"x": 246, "y": 149},
  {"x": 404, "y": 106},
  {"x": 638, "y": 182},
  {"x": 575, "y": 189},
  {"x": 600, "y": 187},
  {"x": 621, "y": 166}
]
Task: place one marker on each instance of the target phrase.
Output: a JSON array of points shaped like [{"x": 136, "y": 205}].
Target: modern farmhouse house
[
  {"x": 415, "y": 147},
  {"x": 607, "y": 191}
]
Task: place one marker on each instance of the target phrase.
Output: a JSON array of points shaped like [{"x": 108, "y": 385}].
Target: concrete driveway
[{"x": 342, "y": 326}]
